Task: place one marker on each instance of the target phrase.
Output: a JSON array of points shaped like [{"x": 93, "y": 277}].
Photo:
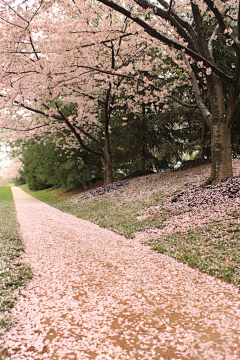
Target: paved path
[{"x": 97, "y": 295}]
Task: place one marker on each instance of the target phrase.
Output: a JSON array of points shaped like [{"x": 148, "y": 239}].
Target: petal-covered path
[{"x": 97, "y": 295}]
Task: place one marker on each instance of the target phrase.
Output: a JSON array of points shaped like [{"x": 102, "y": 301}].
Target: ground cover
[
  {"x": 206, "y": 237},
  {"x": 97, "y": 295},
  {"x": 13, "y": 273}
]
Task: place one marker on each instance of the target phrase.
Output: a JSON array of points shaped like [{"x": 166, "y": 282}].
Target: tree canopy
[{"x": 70, "y": 66}]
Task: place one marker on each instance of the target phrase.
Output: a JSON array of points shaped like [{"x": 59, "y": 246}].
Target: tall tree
[
  {"x": 56, "y": 73},
  {"x": 181, "y": 27},
  {"x": 59, "y": 50}
]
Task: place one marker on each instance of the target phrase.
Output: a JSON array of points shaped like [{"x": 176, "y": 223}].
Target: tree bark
[
  {"x": 221, "y": 155},
  {"x": 221, "y": 149},
  {"x": 143, "y": 142},
  {"x": 202, "y": 143},
  {"x": 107, "y": 164}
]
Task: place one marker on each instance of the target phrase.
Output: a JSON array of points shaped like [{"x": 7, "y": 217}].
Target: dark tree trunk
[
  {"x": 107, "y": 161},
  {"x": 143, "y": 142},
  {"x": 107, "y": 158},
  {"x": 203, "y": 142},
  {"x": 221, "y": 150},
  {"x": 221, "y": 155}
]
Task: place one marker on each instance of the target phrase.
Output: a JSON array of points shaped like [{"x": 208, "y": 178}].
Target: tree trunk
[
  {"x": 143, "y": 140},
  {"x": 221, "y": 154},
  {"x": 202, "y": 143},
  {"x": 107, "y": 163},
  {"x": 107, "y": 158},
  {"x": 221, "y": 149},
  {"x": 108, "y": 177}
]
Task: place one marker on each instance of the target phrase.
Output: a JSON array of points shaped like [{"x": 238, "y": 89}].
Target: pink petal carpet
[{"x": 97, "y": 295}]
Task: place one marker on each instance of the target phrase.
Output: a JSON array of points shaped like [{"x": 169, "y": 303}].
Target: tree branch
[
  {"x": 172, "y": 18},
  {"x": 171, "y": 43},
  {"x": 223, "y": 27},
  {"x": 207, "y": 116},
  {"x": 25, "y": 130},
  {"x": 191, "y": 106},
  {"x": 77, "y": 135}
]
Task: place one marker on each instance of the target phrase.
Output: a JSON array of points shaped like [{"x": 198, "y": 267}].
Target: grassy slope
[
  {"x": 12, "y": 273},
  {"x": 213, "y": 248}
]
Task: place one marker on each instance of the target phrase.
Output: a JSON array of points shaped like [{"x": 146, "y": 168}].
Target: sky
[{"x": 4, "y": 158}]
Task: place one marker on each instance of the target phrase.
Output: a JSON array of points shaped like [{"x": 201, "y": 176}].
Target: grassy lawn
[
  {"x": 48, "y": 195},
  {"x": 111, "y": 211},
  {"x": 213, "y": 248},
  {"x": 13, "y": 274}
]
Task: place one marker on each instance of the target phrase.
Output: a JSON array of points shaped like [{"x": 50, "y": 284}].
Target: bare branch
[
  {"x": 207, "y": 116},
  {"x": 223, "y": 27},
  {"x": 191, "y": 106},
  {"x": 169, "y": 42}
]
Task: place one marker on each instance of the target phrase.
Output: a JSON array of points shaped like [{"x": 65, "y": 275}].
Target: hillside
[{"x": 170, "y": 212}]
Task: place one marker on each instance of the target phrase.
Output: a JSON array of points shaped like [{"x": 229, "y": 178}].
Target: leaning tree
[{"x": 192, "y": 30}]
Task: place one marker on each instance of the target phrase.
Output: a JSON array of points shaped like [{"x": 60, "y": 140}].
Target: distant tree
[
  {"x": 46, "y": 165},
  {"x": 12, "y": 170}
]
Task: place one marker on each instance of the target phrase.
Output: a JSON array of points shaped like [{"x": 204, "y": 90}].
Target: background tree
[
  {"x": 181, "y": 28},
  {"x": 47, "y": 90},
  {"x": 46, "y": 165},
  {"x": 75, "y": 55}
]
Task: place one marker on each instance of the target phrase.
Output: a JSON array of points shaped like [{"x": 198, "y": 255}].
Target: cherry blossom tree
[
  {"x": 184, "y": 28},
  {"x": 74, "y": 52},
  {"x": 12, "y": 169},
  {"x": 56, "y": 74}
]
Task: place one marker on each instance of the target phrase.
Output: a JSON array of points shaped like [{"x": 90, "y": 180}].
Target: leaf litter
[{"x": 97, "y": 295}]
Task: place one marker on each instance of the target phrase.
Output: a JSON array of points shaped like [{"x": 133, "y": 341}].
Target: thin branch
[
  {"x": 8, "y": 22},
  {"x": 15, "y": 12},
  {"x": 169, "y": 42},
  {"x": 109, "y": 40},
  {"x": 34, "y": 50},
  {"x": 89, "y": 96},
  {"x": 191, "y": 106},
  {"x": 25, "y": 130},
  {"x": 223, "y": 27}
]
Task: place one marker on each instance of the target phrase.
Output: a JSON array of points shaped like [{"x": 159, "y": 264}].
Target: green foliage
[
  {"x": 46, "y": 165},
  {"x": 156, "y": 140},
  {"x": 16, "y": 181},
  {"x": 132, "y": 143}
]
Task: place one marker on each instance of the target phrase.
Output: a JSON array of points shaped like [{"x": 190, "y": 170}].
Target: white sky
[{"x": 4, "y": 158}]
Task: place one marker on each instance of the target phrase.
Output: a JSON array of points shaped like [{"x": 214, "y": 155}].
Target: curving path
[{"x": 97, "y": 295}]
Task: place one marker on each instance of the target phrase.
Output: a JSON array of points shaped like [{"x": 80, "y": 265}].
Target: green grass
[
  {"x": 47, "y": 195},
  {"x": 113, "y": 213},
  {"x": 214, "y": 249},
  {"x": 13, "y": 273}
]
